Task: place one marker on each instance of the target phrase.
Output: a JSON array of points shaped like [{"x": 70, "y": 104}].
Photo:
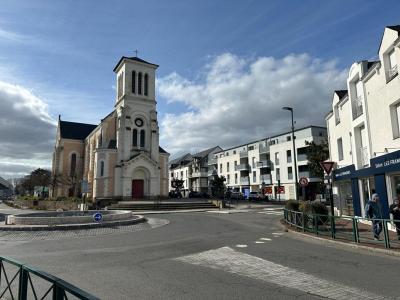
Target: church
[{"x": 120, "y": 157}]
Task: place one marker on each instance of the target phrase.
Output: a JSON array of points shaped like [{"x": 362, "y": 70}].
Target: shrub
[{"x": 292, "y": 205}]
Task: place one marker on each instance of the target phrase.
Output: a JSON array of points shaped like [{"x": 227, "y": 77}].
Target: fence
[
  {"x": 19, "y": 281},
  {"x": 355, "y": 229}
]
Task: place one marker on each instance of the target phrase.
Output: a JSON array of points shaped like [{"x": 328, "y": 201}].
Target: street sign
[
  {"x": 97, "y": 217},
  {"x": 303, "y": 182},
  {"x": 327, "y": 166}
]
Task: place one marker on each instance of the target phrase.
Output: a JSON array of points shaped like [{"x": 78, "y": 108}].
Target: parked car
[
  {"x": 237, "y": 196},
  {"x": 174, "y": 194},
  {"x": 256, "y": 196}
]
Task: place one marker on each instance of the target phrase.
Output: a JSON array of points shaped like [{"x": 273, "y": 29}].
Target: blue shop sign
[
  {"x": 386, "y": 163},
  {"x": 344, "y": 173}
]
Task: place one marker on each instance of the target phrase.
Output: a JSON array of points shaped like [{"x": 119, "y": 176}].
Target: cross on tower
[{"x": 136, "y": 52}]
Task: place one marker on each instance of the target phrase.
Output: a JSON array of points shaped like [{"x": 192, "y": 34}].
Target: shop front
[{"x": 382, "y": 177}]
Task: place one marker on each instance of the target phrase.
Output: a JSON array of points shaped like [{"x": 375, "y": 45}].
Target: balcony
[
  {"x": 244, "y": 180},
  {"x": 199, "y": 174},
  {"x": 305, "y": 174},
  {"x": 212, "y": 161},
  {"x": 264, "y": 164},
  {"x": 357, "y": 107},
  {"x": 212, "y": 172},
  {"x": 266, "y": 179},
  {"x": 263, "y": 148},
  {"x": 242, "y": 167},
  {"x": 301, "y": 157},
  {"x": 243, "y": 154}
]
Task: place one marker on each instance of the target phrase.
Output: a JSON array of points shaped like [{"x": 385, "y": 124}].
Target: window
[
  {"x": 234, "y": 151},
  {"x": 337, "y": 118},
  {"x": 73, "y": 165},
  {"x": 235, "y": 163},
  {"x": 340, "y": 148},
  {"x": 251, "y": 147},
  {"x": 140, "y": 83},
  {"x": 227, "y": 154},
  {"x": 146, "y": 84},
  {"x": 220, "y": 168},
  {"x": 392, "y": 64},
  {"x": 236, "y": 179},
  {"x": 228, "y": 179},
  {"x": 172, "y": 174},
  {"x": 100, "y": 142},
  {"x": 120, "y": 84},
  {"x": 395, "y": 118},
  {"x": 254, "y": 176},
  {"x": 134, "y": 82},
  {"x": 288, "y": 138},
  {"x": 289, "y": 156},
  {"x": 101, "y": 168},
  {"x": 181, "y": 174},
  {"x": 290, "y": 173},
  {"x": 277, "y": 174},
  {"x": 277, "y": 158},
  {"x": 227, "y": 167},
  {"x": 142, "y": 138},
  {"x": 134, "y": 138}
]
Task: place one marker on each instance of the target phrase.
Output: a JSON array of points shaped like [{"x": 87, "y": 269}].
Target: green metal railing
[
  {"x": 356, "y": 229},
  {"x": 19, "y": 281}
]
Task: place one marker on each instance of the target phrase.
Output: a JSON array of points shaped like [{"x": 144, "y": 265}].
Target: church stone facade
[{"x": 120, "y": 157}]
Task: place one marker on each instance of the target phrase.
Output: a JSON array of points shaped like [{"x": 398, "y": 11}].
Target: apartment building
[
  {"x": 363, "y": 129},
  {"x": 193, "y": 170},
  {"x": 269, "y": 164}
]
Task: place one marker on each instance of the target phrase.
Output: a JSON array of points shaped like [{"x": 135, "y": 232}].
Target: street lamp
[{"x": 294, "y": 152}]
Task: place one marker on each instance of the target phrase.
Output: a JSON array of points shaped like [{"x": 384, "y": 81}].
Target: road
[{"x": 208, "y": 255}]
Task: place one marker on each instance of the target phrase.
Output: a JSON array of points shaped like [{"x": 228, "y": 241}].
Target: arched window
[
  {"x": 134, "y": 138},
  {"x": 134, "y": 82},
  {"x": 146, "y": 84},
  {"x": 101, "y": 168},
  {"x": 140, "y": 83},
  {"x": 73, "y": 165},
  {"x": 142, "y": 138},
  {"x": 100, "y": 138}
]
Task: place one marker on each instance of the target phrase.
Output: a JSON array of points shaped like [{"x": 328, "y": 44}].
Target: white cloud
[
  {"x": 237, "y": 100},
  {"x": 27, "y": 131}
]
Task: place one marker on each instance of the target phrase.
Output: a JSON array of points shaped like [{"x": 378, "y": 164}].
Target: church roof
[
  {"x": 134, "y": 59},
  {"x": 341, "y": 93},
  {"x": 206, "y": 152},
  {"x": 394, "y": 27},
  {"x": 75, "y": 131},
  {"x": 161, "y": 150}
]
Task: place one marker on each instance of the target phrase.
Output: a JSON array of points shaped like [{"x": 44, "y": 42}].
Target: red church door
[{"x": 137, "y": 188}]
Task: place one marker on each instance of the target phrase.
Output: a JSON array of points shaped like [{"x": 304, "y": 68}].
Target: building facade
[
  {"x": 363, "y": 129},
  {"x": 193, "y": 169},
  {"x": 269, "y": 164},
  {"x": 121, "y": 156}
]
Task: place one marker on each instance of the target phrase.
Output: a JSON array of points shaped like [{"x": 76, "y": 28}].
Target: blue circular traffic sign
[{"x": 97, "y": 217}]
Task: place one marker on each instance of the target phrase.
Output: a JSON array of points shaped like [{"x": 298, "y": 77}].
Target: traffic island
[{"x": 70, "y": 220}]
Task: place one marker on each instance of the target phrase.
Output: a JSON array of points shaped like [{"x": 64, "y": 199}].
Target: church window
[
  {"x": 102, "y": 168},
  {"x": 142, "y": 138},
  {"x": 140, "y": 83},
  {"x": 73, "y": 165},
  {"x": 146, "y": 84},
  {"x": 134, "y": 82},
  {"x": 101, "y": 138},
  {"x": 120, "y": 84},
  {"x": 134, "y": 138}
]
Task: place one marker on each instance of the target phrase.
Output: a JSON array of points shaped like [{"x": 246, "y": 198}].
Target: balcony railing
[
  {"x": 266, "y": 179},
  {"x": 244, "y": 180},
  {"x": 263, "y": 164},
  {"x": 242, "y": 167},
  {"x": 244, "y": 153},
  {"x": 212, "y": 161},
  {"x": 200, "y": 174},
  {"x": 305, "y": 174},
  {"x": 263, "y": 148},
  {"x": 301, "y": 157},
  {"x": 357, "y": 107}
]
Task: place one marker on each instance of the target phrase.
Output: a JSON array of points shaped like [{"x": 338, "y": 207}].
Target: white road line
[
  {"x": 270, "y": 213},
  {"x": 265, "y": 239},
  {"x": 241, "y": 246},
  {"x": 250, "y": 266},
  {"x": 273, "y": 209},
  {"x": 259, "y": 242},
  {"x": 277, "y": 233}
]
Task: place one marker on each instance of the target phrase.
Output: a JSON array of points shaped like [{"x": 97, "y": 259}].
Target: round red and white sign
[{"x": 303, "y": 181}]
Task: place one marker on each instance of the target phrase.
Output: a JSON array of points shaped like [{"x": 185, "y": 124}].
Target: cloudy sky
[{"x": 226, "y": 67}]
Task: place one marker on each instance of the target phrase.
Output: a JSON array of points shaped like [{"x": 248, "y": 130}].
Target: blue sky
[{"x": 63, "y": 52}]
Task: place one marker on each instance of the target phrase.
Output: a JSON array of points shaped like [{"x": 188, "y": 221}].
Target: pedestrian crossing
[{"x": 239, "y": 263}]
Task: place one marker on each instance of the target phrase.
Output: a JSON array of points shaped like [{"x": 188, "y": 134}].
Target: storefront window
[
  {"x": 345, "y": 198},
  {"x": 395, "y": 188}
]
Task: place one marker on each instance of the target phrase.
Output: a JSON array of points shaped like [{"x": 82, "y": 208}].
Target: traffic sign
[
  {"x": 97, "y": 217},
  {"x": 303, "y": 181},
  {"x": 327, "y": 166}
]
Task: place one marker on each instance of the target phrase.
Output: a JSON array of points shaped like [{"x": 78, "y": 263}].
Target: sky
[{"x": 226, "y": 67}]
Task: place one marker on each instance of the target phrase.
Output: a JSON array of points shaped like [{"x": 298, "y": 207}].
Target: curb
[
  {"x": 336, "y": 242},
  {"x": 139, "y": 219}
]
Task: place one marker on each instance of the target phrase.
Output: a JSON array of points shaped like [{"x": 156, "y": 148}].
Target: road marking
[
  {"x": 241, "y": 246},
  {"x": 277, "y": 233},
  {"x": 259, "y": 242},
  {"x": 265, "y": 239},
  {"x": 235, "y": 262},
  {"x": 273, "y": 209},
  {"x": 270, "y": 213}
]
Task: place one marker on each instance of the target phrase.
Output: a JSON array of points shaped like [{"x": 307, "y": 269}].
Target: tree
[
  {"x": 71, "y": 181},
  {"x": 41, "y": 177},
  {"x": 317, "y": 153},
  {"x": 27, "y": 185},
  {"x": 218, "y": 186},
  {"x": 178, "y": 185},
  {"x": 55, "y": 181}
]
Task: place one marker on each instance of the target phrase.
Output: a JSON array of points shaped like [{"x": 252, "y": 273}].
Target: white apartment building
[
  {"x": 264, "y": 163},
  {"x": 193, "y": 170},
  {"x": 364, "y": 132}
]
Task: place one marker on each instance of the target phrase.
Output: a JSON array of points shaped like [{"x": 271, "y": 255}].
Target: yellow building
[{"x": 120, "y": 157}]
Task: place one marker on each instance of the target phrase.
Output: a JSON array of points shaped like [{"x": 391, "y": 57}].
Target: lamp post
[{"x": 294, "y": 153}]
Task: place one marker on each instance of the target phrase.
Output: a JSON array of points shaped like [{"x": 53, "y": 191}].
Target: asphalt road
[{"x": 210, "y": 256}]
